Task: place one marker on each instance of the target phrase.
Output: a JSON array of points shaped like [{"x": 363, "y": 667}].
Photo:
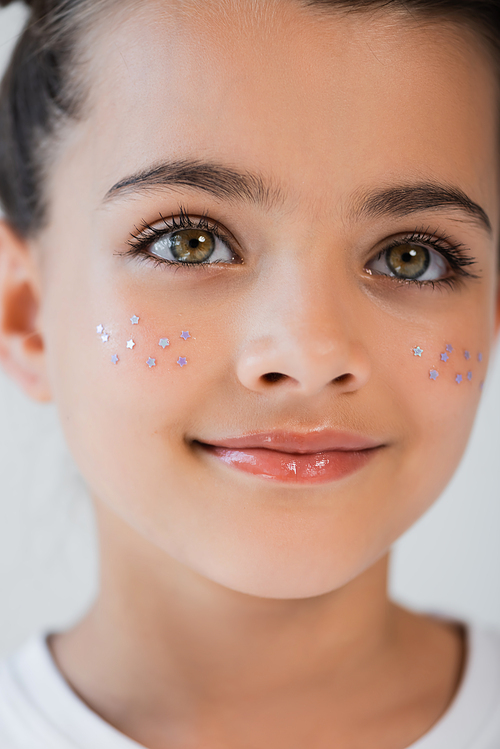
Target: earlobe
[{"x": 22, "y": 353}]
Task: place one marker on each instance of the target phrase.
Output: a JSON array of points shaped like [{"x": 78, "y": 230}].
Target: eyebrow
[
  {"x": 218, "y": 180},
  {"x": 225, "y": 183},
  {"x": 403, "y": 200}
]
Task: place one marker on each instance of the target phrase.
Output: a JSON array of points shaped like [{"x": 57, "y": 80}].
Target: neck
[
  {"x": 173, "y": 630},
  {"x": 166, "y": 655}
]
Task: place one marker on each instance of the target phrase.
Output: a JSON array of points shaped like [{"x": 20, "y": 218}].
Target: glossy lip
[
  {"x": 298, "y": 442},
  {"x": 310, "y": 458}
]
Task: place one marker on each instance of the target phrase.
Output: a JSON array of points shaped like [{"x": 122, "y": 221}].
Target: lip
[{"x": 313, "y": 457}]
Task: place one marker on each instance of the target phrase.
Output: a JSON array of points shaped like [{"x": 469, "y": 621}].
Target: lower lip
[{"x": 294, "y": 468}]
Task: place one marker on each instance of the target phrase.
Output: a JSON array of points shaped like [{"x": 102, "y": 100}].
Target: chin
[{"x": 285, "y": 579}]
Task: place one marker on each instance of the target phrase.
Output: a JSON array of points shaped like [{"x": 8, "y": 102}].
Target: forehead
[{"x": 323, "y": 104}]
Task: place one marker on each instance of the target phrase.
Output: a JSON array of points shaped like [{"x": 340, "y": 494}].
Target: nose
[{"x": 308, "y": 338}]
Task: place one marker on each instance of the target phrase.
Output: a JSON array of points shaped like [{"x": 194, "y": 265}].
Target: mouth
[{"x": 307, "y": 458}]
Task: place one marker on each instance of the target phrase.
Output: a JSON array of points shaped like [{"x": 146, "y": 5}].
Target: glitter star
[
  {"x": 449, "y": 348},
  {"x": 115, "y": 359},
  {"x": 151, "y": 362},
  {"x": 469, "y": 376},
  {"x": 433, "y": 374},
  {"x": 130, "y": 344},
  {"x": 105, "y": 337},
  {"x": 163, "y": 342},
  {"x": 467, "y": 355},
  {"x": 418, "y": 351},
  {"x": 134, "y": 320},
  {"x": 444, "y": 357},
  {"x": 480, "y": 357},
  {"x": 182, "y": 361},
  {"x": 458, "y": 379},
  {"x": 185, "y": 335},
  {"x": 100, "y": 329}
]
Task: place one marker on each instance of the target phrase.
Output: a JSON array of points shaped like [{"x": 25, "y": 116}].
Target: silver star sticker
[
  {"x": 164, "y": 342},
  {"x": 151, "y": 362},
  {"x": 134, "y": 320},
  {"x": 185, "y": 335},
  {"x": 433, "y": 374},
  {"x": 100, "y": 329},
  {"x": 115, "y": 359},
  {"x": 418, "y": 351},
  {"x": 105, "y": 337},
  {"x": 182, "y": 361},
  {"x": 130, "y": 344}
]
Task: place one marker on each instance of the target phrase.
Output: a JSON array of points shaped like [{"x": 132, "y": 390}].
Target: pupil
[
  {"x": 406, "y": 257},
  {"x": 193, "y": 243}
]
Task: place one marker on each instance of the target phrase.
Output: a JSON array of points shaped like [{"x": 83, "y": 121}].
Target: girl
[{"x": 250, "y": 251}]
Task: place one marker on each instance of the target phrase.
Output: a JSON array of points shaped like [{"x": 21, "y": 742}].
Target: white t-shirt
[{"x": 38, "y": 710}]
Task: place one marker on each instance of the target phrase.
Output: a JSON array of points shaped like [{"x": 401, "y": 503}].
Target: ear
[{"x": 22, "y": 352}]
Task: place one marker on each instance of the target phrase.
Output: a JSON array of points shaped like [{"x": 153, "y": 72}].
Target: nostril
[
  {"x": 273, "y": 376},
  {"x": 342, "y": 378}
]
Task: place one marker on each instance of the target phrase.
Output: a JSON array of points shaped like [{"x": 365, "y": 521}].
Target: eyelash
[
  {"x": 458, "y": 257},
  {"x": 139, "y": 244}
]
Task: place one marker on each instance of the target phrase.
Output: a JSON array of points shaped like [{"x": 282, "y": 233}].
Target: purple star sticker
[
  {"x": 449, "y": 348},
  {"x": 433, "y": 374},
  {"x": 480, "y": 357},
  {"x": 467, "y": 355},
  {"x": 444, "y": 357},
  {"x": 182, "y": 361},
  {"x": 151, "y": 362},
  {"x": 185, "y": 335},
  {"x": 417, "y": 351},
  {"x": 469, "y": 376},
  {"x": 458, "y": 379},
  {"x": 115, "y": 359}
]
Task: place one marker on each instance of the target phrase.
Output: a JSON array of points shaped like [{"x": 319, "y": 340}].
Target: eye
[
  {"x": 410, "y": 261},
  {"x": 191, "y": 246}
]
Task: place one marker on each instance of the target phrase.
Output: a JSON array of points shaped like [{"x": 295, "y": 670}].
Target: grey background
[{"x": 449, "y": 561}]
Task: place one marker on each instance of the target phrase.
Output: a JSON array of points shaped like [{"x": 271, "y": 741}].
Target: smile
[{"x": 313, "y": 458}]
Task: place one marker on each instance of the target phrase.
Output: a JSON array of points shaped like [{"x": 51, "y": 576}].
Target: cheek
[
  {"x": 435, "y": 379},
  {"x": 129, "y": 381}
]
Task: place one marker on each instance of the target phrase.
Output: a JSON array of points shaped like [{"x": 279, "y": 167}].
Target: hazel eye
[
  {"x": 191, "y": 246},
  {"x": 411, "y": 262}
]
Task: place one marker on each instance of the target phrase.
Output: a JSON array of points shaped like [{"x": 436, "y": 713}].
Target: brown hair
[{"x": 41, "y": 90}]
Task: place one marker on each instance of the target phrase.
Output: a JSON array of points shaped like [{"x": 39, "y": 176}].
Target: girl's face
[{"x": 330, "y": 180}]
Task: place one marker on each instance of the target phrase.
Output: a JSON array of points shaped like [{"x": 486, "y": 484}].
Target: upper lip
[{"x": 299, "y": 442}]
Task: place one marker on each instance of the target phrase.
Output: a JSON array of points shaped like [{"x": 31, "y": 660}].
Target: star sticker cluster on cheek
[
  {"x": 450, "y": 360},
  {"x": 130, "y": 344}
]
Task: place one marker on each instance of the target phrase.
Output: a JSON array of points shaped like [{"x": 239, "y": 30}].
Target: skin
[{"x": 235, "y": 611}]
